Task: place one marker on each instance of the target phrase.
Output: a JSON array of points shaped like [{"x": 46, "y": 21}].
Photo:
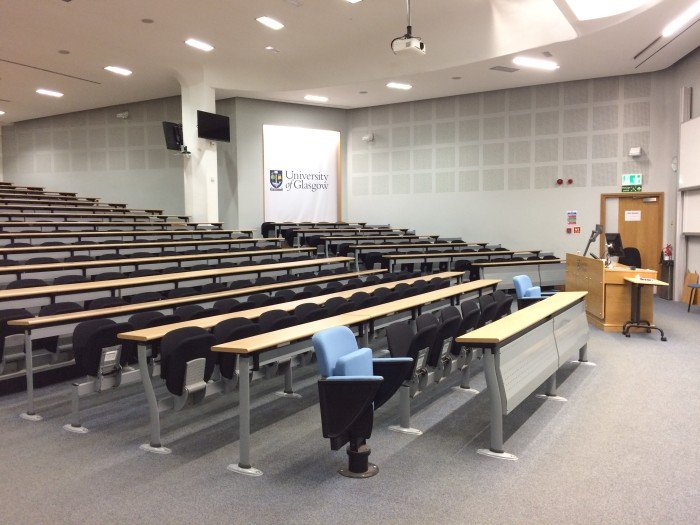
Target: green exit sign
[{"x": 631, "y": 182}]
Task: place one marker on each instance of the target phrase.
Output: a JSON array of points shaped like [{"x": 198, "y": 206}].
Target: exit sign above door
[{"x": 631, "y": 182}]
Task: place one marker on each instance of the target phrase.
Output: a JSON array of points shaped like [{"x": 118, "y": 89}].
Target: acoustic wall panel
[{"x": 468, "y": 180}]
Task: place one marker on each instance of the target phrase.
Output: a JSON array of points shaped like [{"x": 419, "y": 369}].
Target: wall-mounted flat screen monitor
[
  {"x": 173, "y": 135},
  {"x": 614, "y": 244},
  {"x": 211, "y": 126}
]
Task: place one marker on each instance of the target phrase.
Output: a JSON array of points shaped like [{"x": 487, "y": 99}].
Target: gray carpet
[{"x": 623, "y": 449}]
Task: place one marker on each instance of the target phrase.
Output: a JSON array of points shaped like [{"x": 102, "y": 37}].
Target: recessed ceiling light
[
  {"x": 147, "y": 20},
  {"x": 536, "y": 63},
  {"x": 353, "y": 1},
  {"x": 271, "y": 48},
  {"x": 119, "y": 70},
  {"x": 2, "y": 112},
  {"x": 683, "y": 19},
  {"x": 315, "y": 98},
  {"x": 198, "y": 44},
  {"x": 49, "y": 93},
  {"x": 593, "y": 9},
  {"x": 270, "y": 22},
  {"x": 399, "y": 85},
  {"x": 63, "y": 52}
]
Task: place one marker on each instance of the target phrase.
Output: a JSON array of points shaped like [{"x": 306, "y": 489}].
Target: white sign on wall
[
  {"x": 633, "y": 215},
  {"x": 300, "y": 174}
]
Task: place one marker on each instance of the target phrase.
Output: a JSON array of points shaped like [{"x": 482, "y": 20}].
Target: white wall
[
  {"x": 483, "y": 166},
  {"x": 241, "y": 182},
  {"x": 98, "y": 155}
]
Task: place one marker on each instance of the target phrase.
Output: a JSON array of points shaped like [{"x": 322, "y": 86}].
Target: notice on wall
[
  {"x": 571, "y": 217},
  {"x": 300, "y": 174},
  {"x": 633, "y": 215}
]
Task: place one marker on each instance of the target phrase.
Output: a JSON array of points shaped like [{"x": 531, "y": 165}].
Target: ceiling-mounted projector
[{"x": 408, "y": 43}]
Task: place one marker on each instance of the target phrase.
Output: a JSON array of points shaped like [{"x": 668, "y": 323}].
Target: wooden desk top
[
  {"x": 127, "y": 215},
  {"x": 20, "y": 268},
  {"x": 153, "y": 244},
  {"x": 328, "y": 230},
  {"x": 506, "y": 327},
  {"x": 157, "y": 332},
  {"x": 416, "y": 245},
  {"x": 47, "y": 320},
  {"x": 67, "y": 207},
  {"x": 48, "y": 199},
  {"x": 130, "y": 233},
  {"x": 251, "y": 345},
  {"x": 645, "y": 281},
  {"x": 50, "y": 290},
  {"x": 521, "y": 263},
  {"x": 458, "y": 254},
  {"x": 111, "y": 224},
  {"x": 369, "y": 237}
]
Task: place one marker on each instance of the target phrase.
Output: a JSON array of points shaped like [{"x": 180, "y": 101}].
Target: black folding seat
[
  {"x": 144, "y": 297},
  {"x": 448, "y": 323},
  {"x": 104, "y": 302},
  {"x": 389, "y": 277},
  {"x": 403, "y": 289},
  {"x": 6, "y": 330},
  {"x": 226, "y": 305},
  {"x": 372, "y": 280},
  {"x": 514, "y": 259},
  {"x": 143, "y": 255},
  {"x": 200, "y": 267},
  {"x": 213, "y": 288},
  {"x": 504, "y": 302},
  {"x": 167, "y": 253},
  {"x": 360, "y": 300},
  {"x": 188, "y": 311},
  {"x": 261, "y": 299},
  {"x": 488, "y": 307},
  {"x": 471, "y": 314},
  {"x": 92, "y": 342},
  {"x": 42, "y": 260},
  {"x": 381, "y": 293},
  {"x": 403, "y": 275},
  {"x": 189, "y": 252},
  {"x": 308, "y": 312},
  {"x": 420, "y": 286},
  {"x": 172, "y": 269},
  {"x": 549, "y": 257},
  {"x": 70, "y": 279},
  {"x": 206, "y": 312},
  {"x": 232, "y": 330},
  {"x": 333, "y": 287},
  {"x": 109, "y": 257},
  {"x": 337, "y": 306},
  {"x": 247, "y": 263},
  {"x": 226, "y": 264},
  {"x": 343, "y": 249},
  {"x": 140, "y": 321},
  {"x": 402, "y": 341},
  {"x": 323, "y": 273},
  {"x": 303, "y": 295},
  {"x": 533, "y": 258},
  {"x": 52, "y": 243},
  {"x": 267, "y": 261},
  {"x": 286, "y": 278},
  {"x": 314, "y": 290},
  {"x": 276, "y": 320},
  {"x": 51, "y": 343},
  {"x": 240, "y": 283},
  {"x": 145, "y": 272},
  {"x": 16, "y": 245},
  {"x": 353, "y": 283},
  {"x": 10, "y": 262},
  {"x": 340, "y": 270},
  {"x": 306, "y": 275},
  {"x": 262, "y": 281},
  {"x": 25, "y": 283},
  {"x": 181, "y": 292},
  {"x": 78, "y": 258},
  {"x": 178, "y": 348},
  {"x": 108, "y": 276},
  {"x": 287, "y": 295},
  {"x": 245, "y": 305},
  {"x": 85, "y": 243}
]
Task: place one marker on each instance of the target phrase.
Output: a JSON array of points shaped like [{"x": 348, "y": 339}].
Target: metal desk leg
[
  {"x": 583, "y": 357},
  {"x": 288, "y": 383},
  {"x": 244, "y": 466},
  {"x": 30, "y": 414},
  {"x": 496, "y": 411},
  {"x": 153, "y": 412},
  {"x": 466, "y": 371},
  {"x": 551, "y": 390},
  {"x": 404, "y": 425}
]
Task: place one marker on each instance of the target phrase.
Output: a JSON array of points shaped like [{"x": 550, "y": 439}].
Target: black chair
[
  {"x": 354, "y": 283},
  {"x": 108, "y": 276},
  {"x": 232, "y": 330},
  {"x": 25, "y": 283},
  {"x": 176, "y": 293},
  {"x": 226, "y": 305},
  {"x": 308, "y": 312},
  {"x": 337, "y": 306},
  {"x": 333, "y": 287},
  {"x": 471, "y": 314},
  {"x": 504, "y": 302},
  {"x": 631, "y": 257},
  {"x": 314, "y": 290},
  {"x": 144, "y": 297},
  {"x": 51, "y": 343},
  {"x": 488, "y": 307},
  {"x": 448, "y": 328},
  {"x": 240, "y": 283},
  {"x": 70, "y": 279},
  {"x": 179, "y": 348},
  {"x": 371, "y": 280},
  {"x": 213, "y": 288},
  {"x": 92, "y": 344},
  {"x": 402, "y": 341},
  {"x": 276, "y": 320},
  {"x": 287, "y": 295},
  {"x": 104, "y": 302},
  {"x": 143, "y": 320},
  {"x": 78, "y": 258},
  {"x": 144, "y": 272},
  {"x": 10, "y": 262},
  {"x": 262, "y": 299},
  {"x": 262, "y": 281},
  {"x": 286, "y": 278},
  {"x": 42, "y": 260}
]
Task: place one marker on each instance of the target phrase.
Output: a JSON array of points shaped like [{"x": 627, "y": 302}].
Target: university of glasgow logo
[{"x": 276, "y": 178}]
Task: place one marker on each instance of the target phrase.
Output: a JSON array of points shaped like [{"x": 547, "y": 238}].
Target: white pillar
[{"x": 201, "y": 177}]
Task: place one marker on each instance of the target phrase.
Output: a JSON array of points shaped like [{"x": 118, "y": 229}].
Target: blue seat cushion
[
  {"x": 357, "y": 363},
  {"x": 533, "y": 291}
]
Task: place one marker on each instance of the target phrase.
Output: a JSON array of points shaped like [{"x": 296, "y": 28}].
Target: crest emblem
[{"x": 276, "y": 178}]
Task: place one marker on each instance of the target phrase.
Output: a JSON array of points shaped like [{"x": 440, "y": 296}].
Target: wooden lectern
[{"x": 609, "y": 297}]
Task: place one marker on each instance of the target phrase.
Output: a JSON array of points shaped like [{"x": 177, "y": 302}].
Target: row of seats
[{"x": 118, "y": 241}]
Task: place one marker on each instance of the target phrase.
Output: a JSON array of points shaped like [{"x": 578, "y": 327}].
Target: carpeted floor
[{"x": 625, "y": 448}]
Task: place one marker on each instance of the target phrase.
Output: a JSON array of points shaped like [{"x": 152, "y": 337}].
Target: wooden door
[{"x": 639, "y": 222}]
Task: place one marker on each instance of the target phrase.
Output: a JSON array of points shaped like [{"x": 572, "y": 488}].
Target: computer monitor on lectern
[{"x": 613, "y": 242}]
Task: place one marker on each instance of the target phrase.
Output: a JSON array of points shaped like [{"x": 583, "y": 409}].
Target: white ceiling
[{"x": 328, "y": 47}]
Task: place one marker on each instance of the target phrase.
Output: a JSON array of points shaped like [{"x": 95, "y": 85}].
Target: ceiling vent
[{"x": 505, "y": 69}]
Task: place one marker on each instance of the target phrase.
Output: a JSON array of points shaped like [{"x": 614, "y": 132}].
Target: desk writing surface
[
  {"x": 444, "y": 254},
  {"x": 19, "y": 268},
  {"x": 271, "y": 339},
  {"x": 121, "y": 233},
  {"x": 151, "y": 244},
  {"x": 521, "y": 320},
  {"x": 648, "y": 281},
  {"x": 46, "y": 320},
  {"x": 157, "y": 332},
  {"x": 42, "y": 291},
  {"x": 368, "y": 237},
  {"x": 111, "y": 224},
  {"x": 520, "y": 263},
  {"x": 416, "y": 245}
]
